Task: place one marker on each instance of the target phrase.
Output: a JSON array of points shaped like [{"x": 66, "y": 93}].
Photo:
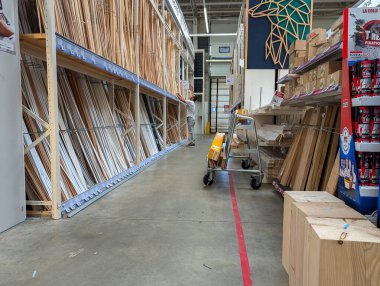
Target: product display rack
[{"x": 355, "y": 186}]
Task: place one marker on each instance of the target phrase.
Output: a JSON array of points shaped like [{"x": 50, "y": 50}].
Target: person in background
[{"x": 190, "y": 113}]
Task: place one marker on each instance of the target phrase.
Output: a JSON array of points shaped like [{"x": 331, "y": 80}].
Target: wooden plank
[
  {"x": 298, "y": 196},
  {"x": 332, "y": 184},
  {"x": 321, "y": 147},
  {"x": 302, "y": 210},
  {"x": 341, "y": 252},
  {"x": 331, "y": 155},
  {"x": 306, "y": 155}
]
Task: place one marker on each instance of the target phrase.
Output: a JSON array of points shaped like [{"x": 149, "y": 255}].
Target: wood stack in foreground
[
  {"x": 327, "y": 243},
  {"x": 310, "y": 161}
]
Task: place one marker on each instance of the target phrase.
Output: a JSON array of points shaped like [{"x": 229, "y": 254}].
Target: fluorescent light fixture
[{"x": 205, "y": 12}]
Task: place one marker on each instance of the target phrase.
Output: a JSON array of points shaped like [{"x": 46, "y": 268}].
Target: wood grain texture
[
  {"x": 341, "y": 252},
  {"x": 298, "y": 196}
]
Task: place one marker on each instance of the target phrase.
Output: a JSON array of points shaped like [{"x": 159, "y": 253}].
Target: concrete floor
[{"x": 160, "y": 228}]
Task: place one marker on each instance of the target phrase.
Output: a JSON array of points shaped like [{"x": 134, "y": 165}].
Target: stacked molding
[
  {"x": 311, "y": 161},
  {"x": 106, "y": 27},
  {"x": 96, "y": 144}
]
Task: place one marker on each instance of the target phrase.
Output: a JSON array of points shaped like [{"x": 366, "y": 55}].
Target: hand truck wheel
[
  {"x": 245, "y": 164},
  {"x": 255, "y": 183},
  {"x": 208, "y": 179}
]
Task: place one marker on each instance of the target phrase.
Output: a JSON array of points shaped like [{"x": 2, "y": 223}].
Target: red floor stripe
[{"x": 245, "y": 268}]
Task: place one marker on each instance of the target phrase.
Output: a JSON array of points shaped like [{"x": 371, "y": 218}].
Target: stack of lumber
[
  {"x": 107, "y": 28},
  {"x": 96, "y": 142},
  {"x": 326, "y": 242},
  {"x": 271, "y": 162},
  {"x": 275, "y": 134},
  {"x": 310, "y": 161}
]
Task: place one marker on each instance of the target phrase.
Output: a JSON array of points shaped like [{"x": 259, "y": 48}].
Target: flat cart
[{"x": 245, "y": 154}]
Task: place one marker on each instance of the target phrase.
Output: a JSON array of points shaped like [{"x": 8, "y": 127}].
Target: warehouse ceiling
[{"x": 223, "y": 9}]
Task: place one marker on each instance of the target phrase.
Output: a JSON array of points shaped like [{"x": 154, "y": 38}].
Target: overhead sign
[{"x": 272, "y": 26}]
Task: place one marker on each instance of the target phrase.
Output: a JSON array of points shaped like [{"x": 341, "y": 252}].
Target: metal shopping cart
[{"x": 242, "y": 124}]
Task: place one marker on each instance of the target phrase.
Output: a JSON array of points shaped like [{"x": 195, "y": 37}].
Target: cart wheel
[
  {"x": 208, "y": 179},
  {"x": 245, "y": 164},
  {"x": 255, "y": 184}
]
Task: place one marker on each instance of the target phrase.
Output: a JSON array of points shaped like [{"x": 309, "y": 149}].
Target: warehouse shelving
[
  {"x": 57, "y": 50},
  {"x": 329, "y": 95},
  {"x": 333, "y": 53},
  {"x": 74, "y": 57}
]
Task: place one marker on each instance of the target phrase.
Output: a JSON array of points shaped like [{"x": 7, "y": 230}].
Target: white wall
[
  {"x": 12, "y": 190},
  {"x": 256, "y": 80}
]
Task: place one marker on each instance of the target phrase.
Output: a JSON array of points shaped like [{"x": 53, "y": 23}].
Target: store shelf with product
[
  {"x": 329, "y": 95},
  {"x": 332, "y": 53},
  {"x": 77, "y": 58}
]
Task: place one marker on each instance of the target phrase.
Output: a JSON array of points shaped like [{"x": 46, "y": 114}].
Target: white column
[{"x": 51, "y": 60}]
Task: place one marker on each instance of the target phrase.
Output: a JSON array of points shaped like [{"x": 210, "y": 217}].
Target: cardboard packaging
[
  {"x": 296, "y": 62},
  {"x": 338, "y": 24},
  {"x": 316, "y": 35},
  {"x": 297, "y": 45},
  {"x": 216, "y": 147},
  {"x": 336, "y": 37},
  {"x": 328, "y": 68},
  {"x": 321, "y": 83},
  {"x": 335, "y": 78},
  {"x": 341, "y": 252},
  {"x": 299, "y": 226},
  {"x": 298, "y": 196}
]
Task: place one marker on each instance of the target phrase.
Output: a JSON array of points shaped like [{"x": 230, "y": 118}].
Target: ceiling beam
[{"x": 194, "y": 8}]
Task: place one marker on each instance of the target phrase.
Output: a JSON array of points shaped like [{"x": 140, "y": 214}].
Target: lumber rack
[
  {"x": 57, "y": 50},
  {"x": 244, "y": 154}
]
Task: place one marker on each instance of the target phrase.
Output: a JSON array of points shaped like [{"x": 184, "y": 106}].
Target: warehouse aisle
[{"x": 160, "y": 228}]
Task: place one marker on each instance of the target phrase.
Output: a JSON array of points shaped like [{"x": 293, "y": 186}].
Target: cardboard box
[
  {"x": 298, "y": 196},
  {"x": 321, "y": 83},
  {"x": 335, "y": 78},
  {"x": 323, "y": 48},
  {"x": 328, "y": 68},
  {"x": 216, "y": 147},
  {"x": 296, "y": 62},
  {"x": 338, "y": 24},
  {"x": 316, "y": 35},
  {"x": 341, "y": 252},
  {"x": 311, "y": 51},
  {"x": 336, "y": 37},
  {"x": 297, "y": 45},
  {"x": 299, "y": 226}
]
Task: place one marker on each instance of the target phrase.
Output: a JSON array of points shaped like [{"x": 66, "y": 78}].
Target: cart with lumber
[{"x": 244, "y": 125}]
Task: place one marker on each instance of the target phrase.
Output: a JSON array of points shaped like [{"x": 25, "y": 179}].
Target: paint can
[
  {"x": 375, "y": 170},
  {"x": 375, "y": 124},
  {"x": 364, "y": 168},
  {"x": 376, "y": 77},
  {"x": 362, "y": 123},
  {"x": 366, "y": 69}
]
